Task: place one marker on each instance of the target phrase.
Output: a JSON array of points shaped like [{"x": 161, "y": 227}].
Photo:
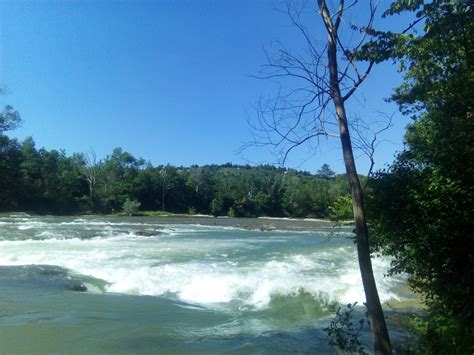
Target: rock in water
[{"x": 146, "y": 233}]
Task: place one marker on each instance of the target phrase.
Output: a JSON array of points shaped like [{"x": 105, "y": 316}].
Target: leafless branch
[
  {"x": 413, "y": 24},
  {"x": 90, "y": 170},
  {"x": 367, "y": 140},
  {"x": 301, "y": 112}
]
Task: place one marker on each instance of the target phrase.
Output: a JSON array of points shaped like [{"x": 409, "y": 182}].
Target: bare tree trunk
[
  {"x": 374, "y": 307},
  {"x": 319, "y": 81},
  {"x": 90, "y": 171},
  {"x": 376, "y": 317},
  {"x": 163, "y": 188}
]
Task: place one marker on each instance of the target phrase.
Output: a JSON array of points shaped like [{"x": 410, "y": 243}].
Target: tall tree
[
  {"x": 423, "y": 207},
  {"x": 9, "y": 119},
  {"x": 11, "y": 183},
  {"x": 326, "y": 172},
  {"x": 89, "y": 169},
  {"x": 325, "y": 75},
  {"x": 10, "y": 159}
]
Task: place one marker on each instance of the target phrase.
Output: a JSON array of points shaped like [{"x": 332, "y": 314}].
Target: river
[{"x": 151, "y": 285}]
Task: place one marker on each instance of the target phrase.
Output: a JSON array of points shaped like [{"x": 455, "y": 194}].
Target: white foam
[{"x": 203, "y": 271}]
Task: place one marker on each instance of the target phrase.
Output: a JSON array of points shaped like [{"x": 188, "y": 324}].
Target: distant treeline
[{"x": 49, "y": 181}]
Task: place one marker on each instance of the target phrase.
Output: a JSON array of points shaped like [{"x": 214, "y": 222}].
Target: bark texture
[{"x": 376, "y": 317}]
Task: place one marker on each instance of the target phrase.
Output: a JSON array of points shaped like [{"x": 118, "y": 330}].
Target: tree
[
  {"x": 9, "y": 119},
  {"x": 11, "y": 183},
  {"x": 201, "y": 185},
  {"x": 217, "y": 205},
  {"x": 422, "y": 209},
  {"x": 89, "y": 170},
  {"x": 326, "y": 172},
  {"x": 130, "y": 207},
  {"x": 165, "y": 185},
  {"x": 148, "y": 190},
  {"x": 10, "y": 159},
  {"x": 341, "y": 209},
  {"x": 328, "y": 75},
  {"x": 30, "y": 167},
  {"x": 116, "y": 175}
]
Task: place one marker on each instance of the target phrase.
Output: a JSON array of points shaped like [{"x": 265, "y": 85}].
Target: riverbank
[{"x": 260, "y": 223}]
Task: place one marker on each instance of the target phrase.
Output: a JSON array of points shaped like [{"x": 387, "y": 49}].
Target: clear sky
[{"x": 169, "y": 81}]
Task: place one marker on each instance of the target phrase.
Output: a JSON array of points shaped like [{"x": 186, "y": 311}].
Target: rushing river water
[{"x": 154, "y": 287}]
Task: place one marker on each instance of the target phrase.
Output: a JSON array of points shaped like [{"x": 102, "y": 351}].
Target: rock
[
  {"x": 80, "y": 287},
  {"x": 267, "y": 228},
  {"x": 146, "y": 233}
]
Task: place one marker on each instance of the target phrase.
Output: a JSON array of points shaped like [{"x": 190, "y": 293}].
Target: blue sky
[{"x": 169, "y": 81}]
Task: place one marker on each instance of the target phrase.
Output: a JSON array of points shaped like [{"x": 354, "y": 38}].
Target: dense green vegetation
[
  {"x": 45, "y": 181},
  {"x": 422, "y": 207}
]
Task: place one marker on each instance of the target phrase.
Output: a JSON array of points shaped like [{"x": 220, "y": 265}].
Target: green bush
[
  {"x": 343, "y": 334},
  {"x": 216, "y": 206},
  {"x": 130, "y": 207},
  {"x": 341, "y": 209}
]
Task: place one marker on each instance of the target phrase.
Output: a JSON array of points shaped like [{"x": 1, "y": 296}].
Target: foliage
[
  {"x": 45, "y": 181},
  {"x": 9, "y": 119},
  {"x": 49, "y": 181},
  {"x": 231, "y": 212},
  {"x": 442, "y": 334},
  {"x": 216, "y": 206},
  {"x": 326, "y": 172},
  {"x": 341, "y": 209},
  {"x": 342, "y": 332},
  {"x": 422, "y": 208},
  {"x": 130, "y": 207}
]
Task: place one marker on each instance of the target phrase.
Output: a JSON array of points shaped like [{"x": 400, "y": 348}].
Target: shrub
[
  {"x": 343, "y": 334},
  {"x": 130, "y": 207},
  {"x": 341, "y": 209}
]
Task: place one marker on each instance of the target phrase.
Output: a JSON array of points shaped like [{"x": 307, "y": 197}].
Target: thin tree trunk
[
  {"x": 374, "y": 307},
  {"x": 376, "y": 317},
  {"x": 163, "y": 190},
  {"x": 163, "y": 198}
]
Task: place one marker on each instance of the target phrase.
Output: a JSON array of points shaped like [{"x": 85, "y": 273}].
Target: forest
[{"x": 43, "y": 181}]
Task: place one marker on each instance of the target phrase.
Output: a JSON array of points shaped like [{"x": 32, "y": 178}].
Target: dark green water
[{"x": 90, "y": 285}]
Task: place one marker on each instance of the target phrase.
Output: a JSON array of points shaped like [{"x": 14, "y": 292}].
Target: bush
[
  {"x": 130, "y": 207},
  {"x": 441, "y": 333},
  {"x": 217, "y": 205},
  {"x": 343, "y": 334},
  {"x": 341, "y": 209}
]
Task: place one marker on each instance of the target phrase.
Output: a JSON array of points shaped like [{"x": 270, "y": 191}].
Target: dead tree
[
  {"x": 90, "y": 171},
  {"x": 165, "y": 185},
  {"x": 314, "y": 87}
]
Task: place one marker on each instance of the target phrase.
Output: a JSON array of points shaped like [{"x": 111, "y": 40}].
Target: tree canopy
[
  {"x": 9, "y": 119},
  {"x": 39, "y": 180},
  {"x": 422, "y": 207}
]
